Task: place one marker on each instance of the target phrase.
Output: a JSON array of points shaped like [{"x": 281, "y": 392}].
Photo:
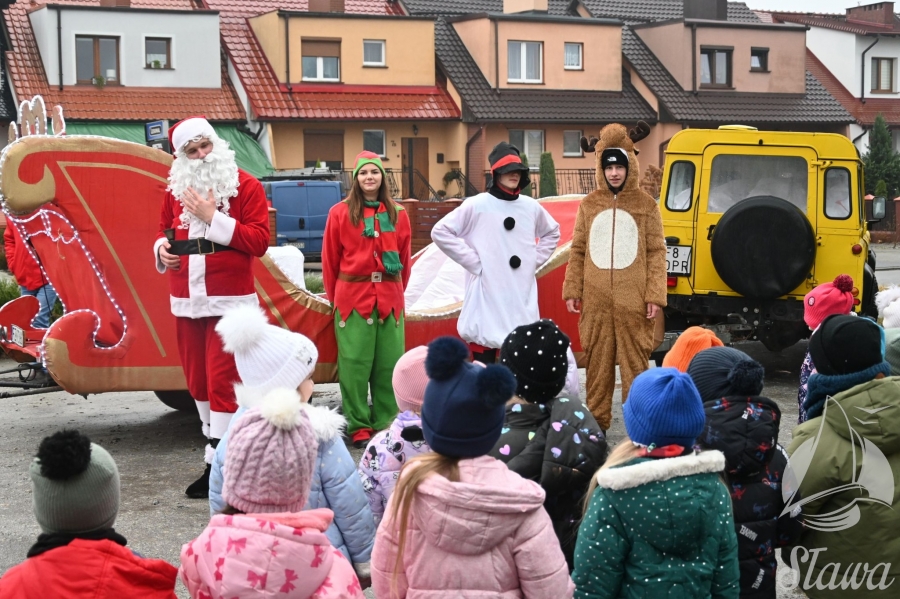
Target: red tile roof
[
  {"x": 112, "y": 103},
  {"x": 270, "y": 100},
  {"x": 837, "y": 22},
  {"x": 863, "y": 113}
]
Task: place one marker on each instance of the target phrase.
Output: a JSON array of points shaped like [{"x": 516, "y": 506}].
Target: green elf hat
[{"x": 366, "y": 157}]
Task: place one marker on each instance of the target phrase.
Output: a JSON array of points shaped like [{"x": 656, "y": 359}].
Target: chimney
[
  {"x": 710, "y": 10},
  {"x": 116, "y": 3},
  {"x": 326, "y": 6},
  {"x": 881, "y": 13},
  {"x": 526, "y": 6}
]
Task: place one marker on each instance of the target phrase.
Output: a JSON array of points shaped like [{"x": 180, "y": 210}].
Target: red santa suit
[{"x": 206, "y": 286}]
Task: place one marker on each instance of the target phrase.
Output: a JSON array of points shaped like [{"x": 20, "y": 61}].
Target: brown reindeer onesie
[{"x": 617, "y": 265}]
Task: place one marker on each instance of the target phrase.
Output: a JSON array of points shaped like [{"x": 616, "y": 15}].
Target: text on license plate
[
  {"x": 678, "y": 259},
  {"x": 18, "y": 336},
  {"x": 296, "y": 244}
]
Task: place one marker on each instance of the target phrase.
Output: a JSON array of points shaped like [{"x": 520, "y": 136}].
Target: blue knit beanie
[
  {"x": 464, "y": 405},
  {"x": 664, "y": 408}
]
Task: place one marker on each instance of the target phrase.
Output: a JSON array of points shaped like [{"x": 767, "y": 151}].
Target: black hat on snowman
[
  {"x": 506, "y": 158},
  {"x": 614, "y": 157}
]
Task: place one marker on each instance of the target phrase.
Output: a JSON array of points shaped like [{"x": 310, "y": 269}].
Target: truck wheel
[
  {"x": 177, "y": 400},
  {"x": 763, "y": 247}
]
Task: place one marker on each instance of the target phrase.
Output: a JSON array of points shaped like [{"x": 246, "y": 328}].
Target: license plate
[
  {"x": 296, "y": 244},
  {"x": 18, "y": 336},
  {"x": 678, "y": 259}
]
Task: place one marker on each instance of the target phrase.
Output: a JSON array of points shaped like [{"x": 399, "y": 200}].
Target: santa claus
[{"x": 214, "y": 221}]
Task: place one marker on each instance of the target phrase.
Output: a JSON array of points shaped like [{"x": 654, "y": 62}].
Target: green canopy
[{"x": 248, "y": 154}]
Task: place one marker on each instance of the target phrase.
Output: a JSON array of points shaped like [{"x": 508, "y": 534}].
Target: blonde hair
[
  {"x": 413, "y": 474},
  {"x": 624, "y": 452}
]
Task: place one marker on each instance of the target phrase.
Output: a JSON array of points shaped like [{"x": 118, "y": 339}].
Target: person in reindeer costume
[
  {"x": 214, "y": 220},
  {"x": 616, "y": 276}
]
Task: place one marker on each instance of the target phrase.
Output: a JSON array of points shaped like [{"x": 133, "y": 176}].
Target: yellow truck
[{"x": 754, "y": 220}]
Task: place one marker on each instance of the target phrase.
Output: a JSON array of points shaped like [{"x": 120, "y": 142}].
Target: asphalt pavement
[{"x": 887, "y": 263}]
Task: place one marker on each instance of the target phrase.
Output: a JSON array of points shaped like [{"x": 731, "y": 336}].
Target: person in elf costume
[
  {"x": 616, "y": 276},
  {"x": 365, "y": 268},
  {"x": 492, "y": 235},
  {"x": 214, "y": 220}
]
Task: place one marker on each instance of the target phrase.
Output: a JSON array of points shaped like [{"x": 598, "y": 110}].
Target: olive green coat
[{"x": 660, "y": 529}]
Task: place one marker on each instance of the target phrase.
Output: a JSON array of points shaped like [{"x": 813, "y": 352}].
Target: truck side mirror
[{"x": 878, "y": 208}]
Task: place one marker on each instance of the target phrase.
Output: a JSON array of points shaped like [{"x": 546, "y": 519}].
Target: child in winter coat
[
  {"x": 554, "y": 441},
  {"x": 658, "y": 523},
  {"x": 744, "y": 426},
  {"x": 269, "y": 357},
  {"x": 460, "y": 523},
  {"x": 820, "y": 303},
  {"x": 389, "y": 450},
  {"x": 75, "y": 487},
  {"x": 265, "y": 542},
  {"x": 690, "y": 343},
  {"x": 849, "y": 446}
]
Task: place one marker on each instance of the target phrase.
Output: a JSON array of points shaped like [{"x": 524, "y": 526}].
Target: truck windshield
[{"x": 737, "y": 177}]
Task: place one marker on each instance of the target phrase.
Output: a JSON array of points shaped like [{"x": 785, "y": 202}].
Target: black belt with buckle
[{"x": 201, "y": 246}]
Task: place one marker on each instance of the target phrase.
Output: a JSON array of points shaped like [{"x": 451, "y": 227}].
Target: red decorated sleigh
[{"x": 89, "y": 208}]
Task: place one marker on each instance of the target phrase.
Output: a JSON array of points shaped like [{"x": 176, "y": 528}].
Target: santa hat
[{"x": 187, "y": 129}]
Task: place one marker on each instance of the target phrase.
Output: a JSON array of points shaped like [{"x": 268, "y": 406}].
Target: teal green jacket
[{"x": 660, "y": 529}]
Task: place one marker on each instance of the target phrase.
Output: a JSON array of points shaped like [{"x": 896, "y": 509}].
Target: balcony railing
[{"x": 581, "y": 181}]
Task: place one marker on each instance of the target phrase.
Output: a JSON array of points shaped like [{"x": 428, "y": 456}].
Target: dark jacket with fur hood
[
  {"x": 559, "y": 445},
  {"x": 745, "y": 429}
]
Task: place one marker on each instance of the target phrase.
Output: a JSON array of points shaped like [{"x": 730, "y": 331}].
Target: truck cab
[{"x": 301, "y": 211}]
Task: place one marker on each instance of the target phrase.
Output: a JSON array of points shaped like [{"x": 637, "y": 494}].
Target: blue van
[{"x": 301, "y": 211}]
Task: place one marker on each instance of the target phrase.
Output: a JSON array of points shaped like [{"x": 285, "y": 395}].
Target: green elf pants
[{"x": 368, "y": 350}]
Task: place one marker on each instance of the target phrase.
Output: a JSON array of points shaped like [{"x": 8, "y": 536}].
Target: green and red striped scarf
[{"x": 390, "y": 257}]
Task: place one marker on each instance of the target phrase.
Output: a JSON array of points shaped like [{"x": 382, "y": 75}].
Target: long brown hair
[
  {"x": 405, "y": 492},
  {"x": 624, "y": 452},
  {"x": 356, "y": 197}
]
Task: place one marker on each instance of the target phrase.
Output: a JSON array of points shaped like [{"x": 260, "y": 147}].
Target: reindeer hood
[{"x": 616, "y": 136}]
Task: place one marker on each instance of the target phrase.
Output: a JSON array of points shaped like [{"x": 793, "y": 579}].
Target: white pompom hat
[
  {"x": 267, "y": 357},
  {"x": 889, "y": 307}
]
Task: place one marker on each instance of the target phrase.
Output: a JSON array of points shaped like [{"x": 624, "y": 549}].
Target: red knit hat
[
  {"x": 690, "y": 343},
  {"x": 827, "y": 299}
]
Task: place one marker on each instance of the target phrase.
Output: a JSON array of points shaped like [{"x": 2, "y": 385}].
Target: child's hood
[
  {"x": 745, "y": 429},
  {"x": 480, "y": 511},
  {"x": 245, "y": 554},
  {"x": 666, "y": 501}
]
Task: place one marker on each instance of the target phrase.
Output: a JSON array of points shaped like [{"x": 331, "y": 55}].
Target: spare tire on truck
[
  {"x": 177, "y": 400},
  {"x": 763, "y": 247}
]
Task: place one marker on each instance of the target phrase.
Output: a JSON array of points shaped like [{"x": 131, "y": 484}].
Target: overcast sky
[{"x": 835, "y": 6}]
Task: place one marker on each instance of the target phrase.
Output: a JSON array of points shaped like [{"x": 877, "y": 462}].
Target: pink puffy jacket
[
  {"x": 267, "y": 555},
  {"x": 485, "y": 536}
]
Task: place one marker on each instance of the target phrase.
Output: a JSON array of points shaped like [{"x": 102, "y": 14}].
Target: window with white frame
[
  {"x": 573, "y": 56},
  {"x": 882, "y": 74},
  {"x": 572, "y": 143},
  {"x": 524, "y": 62},
  {"x": 321, "y": 60},
  {"x": 530, "y": 143},
  {"x": 373, "y": 141},
  {"x": 373, "y": 53}
]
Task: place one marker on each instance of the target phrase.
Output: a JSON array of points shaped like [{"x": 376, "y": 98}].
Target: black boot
[{"x": 199, "y": 489}]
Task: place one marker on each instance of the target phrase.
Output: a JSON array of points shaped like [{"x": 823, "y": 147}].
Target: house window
[
  {"x": 524, "y": 62},
  {"x": 157, "y": 53},
  {"x": 373, "y": 53},
  {"x": 97, "y": 60},
  {"x": 759, "y": 59},
  {"x": 574, "y": 53},
  {"x": 323, "y": 148},
  {"x": 715, "y": 67},
  {"x": 373, "y": 141},
  {"x": 572, "y": 143},
  {"x": 321, "y": 60},
  {"x": 530, "y": 143},
  {"x": 882, "y": 74}
]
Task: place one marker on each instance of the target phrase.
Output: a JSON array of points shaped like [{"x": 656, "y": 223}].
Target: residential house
[
  {"x": 856, "y": 56},
  {"x": 115, "y": 65}
]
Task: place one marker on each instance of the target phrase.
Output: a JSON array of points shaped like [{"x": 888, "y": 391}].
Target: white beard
[{"x": 216, "y": 172}]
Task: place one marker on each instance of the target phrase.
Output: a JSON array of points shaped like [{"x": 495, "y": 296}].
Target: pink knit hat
[
  {"x": 827, "y": 299},
  {"x": 270, "y": 457},
  {"x": 409, "y": 379}
]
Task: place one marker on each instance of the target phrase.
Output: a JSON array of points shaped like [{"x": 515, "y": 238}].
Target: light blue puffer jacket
[{"x": 335, "y": 485}]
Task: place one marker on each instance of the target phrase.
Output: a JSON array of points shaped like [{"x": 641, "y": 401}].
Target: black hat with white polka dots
[{"x": 537, "y": 355}]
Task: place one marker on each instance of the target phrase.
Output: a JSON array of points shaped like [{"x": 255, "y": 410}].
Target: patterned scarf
[{"x": 390, "y": 257}]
